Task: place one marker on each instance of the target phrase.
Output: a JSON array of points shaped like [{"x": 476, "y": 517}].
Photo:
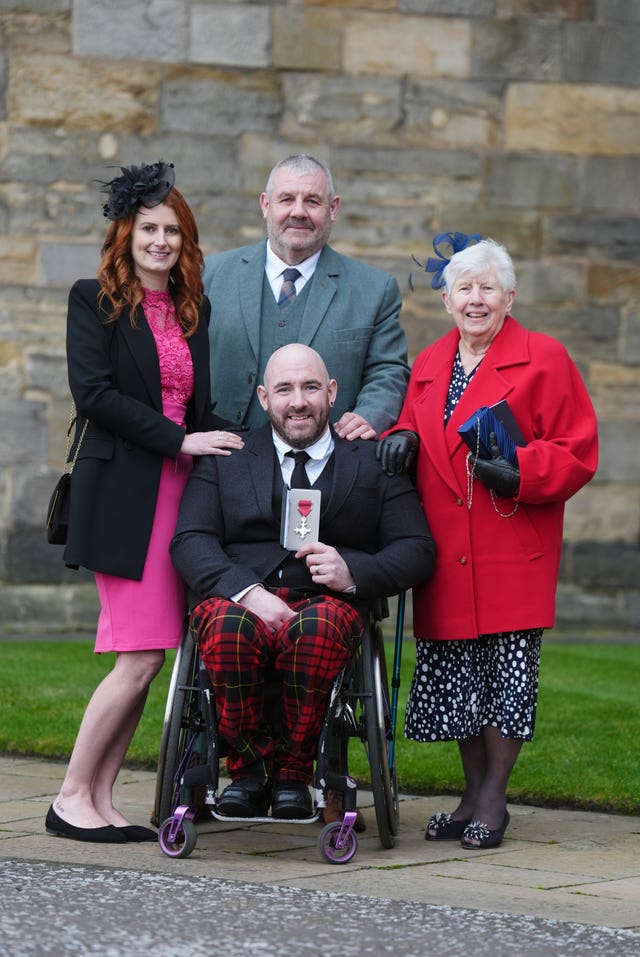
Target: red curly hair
[{"x": 122, "y": 288}]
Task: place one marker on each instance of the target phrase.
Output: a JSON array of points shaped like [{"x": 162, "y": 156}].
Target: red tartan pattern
[{"x": 307, "y": 653}]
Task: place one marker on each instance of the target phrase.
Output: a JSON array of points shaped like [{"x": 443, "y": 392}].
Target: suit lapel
[
  {"x": 321, "y": 292},
  {"x": 345, "y": 474},
  {"x": 142, "y": 347},
  {"x": 260, "y": 466},
  {"x": 250, "y": 281}
]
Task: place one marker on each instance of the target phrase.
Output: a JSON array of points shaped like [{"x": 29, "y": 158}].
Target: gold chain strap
[
  {"x": 73, "y": 415},
  {"x": 471, "y": 469},
  {"x": 470, "y": 477},
  {"x": 495, "y": 505}
]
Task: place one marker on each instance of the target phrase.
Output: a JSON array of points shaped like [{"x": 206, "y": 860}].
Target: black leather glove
[
  {"x": 497, "y": 472},
  {"x": 397, "y": 452}
]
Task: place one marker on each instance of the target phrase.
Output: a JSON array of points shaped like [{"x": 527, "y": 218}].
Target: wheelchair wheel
[
  {"x": 180, "y": 720},
  {"x": 378, "y": 730},
  {"x": 327, "y": 844},
  {"x": 184, "y": 841}
]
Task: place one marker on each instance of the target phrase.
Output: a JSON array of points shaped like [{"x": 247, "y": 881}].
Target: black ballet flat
[
  {"x": 138, "y": 834},
  {"x": 97, "y": 835}
]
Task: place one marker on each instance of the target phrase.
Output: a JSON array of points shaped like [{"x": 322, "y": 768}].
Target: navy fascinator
[
  {"x": 445, "y": 242},
  {"x": 146, "y": 185}
]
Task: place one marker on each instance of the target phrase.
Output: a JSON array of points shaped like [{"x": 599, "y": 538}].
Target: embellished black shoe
[
  {"x": 446, "y": 829},
  {"x": 479, "y": 831},
  {"x": 109, "y": 834}
]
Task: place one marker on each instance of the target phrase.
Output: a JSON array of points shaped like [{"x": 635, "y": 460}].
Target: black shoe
[
  {"x": 97, "y": 835},
  {"x": 479, "y": 831},
  {"x": 291, "y": 799},
  {"x": 247, "y": 797},
  {"x": 444, "y": 828},
  {"x": 136, "y": 833}
]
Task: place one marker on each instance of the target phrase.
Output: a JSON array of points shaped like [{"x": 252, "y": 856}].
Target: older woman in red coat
[{"x": 497, "y": 525}]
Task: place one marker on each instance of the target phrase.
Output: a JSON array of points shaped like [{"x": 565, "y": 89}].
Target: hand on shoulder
[{"x": 211, "y": 443}]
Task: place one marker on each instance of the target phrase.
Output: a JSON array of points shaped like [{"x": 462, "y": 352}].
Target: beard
[{"x": 300, "y": 433}]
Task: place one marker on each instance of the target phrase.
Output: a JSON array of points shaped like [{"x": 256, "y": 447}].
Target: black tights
[{"x": 487, "y": 761}]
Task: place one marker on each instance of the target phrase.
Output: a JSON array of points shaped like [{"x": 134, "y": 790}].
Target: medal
[{"x": 302, "y": 529}]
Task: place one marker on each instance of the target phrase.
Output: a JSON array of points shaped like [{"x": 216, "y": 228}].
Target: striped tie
[{"x": 288, "y": 289}]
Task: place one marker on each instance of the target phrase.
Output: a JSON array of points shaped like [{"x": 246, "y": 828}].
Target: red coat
[{"x": 496, "y": 574}]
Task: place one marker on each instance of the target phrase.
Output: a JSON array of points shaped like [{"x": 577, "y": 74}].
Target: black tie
[
  {"x": 299, "y": 477},
  {"x": 288, "y": 288}
]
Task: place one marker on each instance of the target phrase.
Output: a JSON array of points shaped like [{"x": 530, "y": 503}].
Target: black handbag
[{"x": 58, "y": 508}]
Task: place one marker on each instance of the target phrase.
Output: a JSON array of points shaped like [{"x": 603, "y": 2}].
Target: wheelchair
[{"x": 359, "y": 706}]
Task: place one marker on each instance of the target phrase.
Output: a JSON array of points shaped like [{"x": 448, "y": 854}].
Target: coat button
[
  {"x": 463, "y": 560},
  {"x": 458, "y": 501}
]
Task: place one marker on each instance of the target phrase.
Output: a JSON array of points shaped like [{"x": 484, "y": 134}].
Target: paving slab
[{"x": 559, "y": 868}]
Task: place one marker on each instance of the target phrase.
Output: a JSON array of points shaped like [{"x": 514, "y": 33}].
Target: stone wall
[{"x": 519, "y": 119}]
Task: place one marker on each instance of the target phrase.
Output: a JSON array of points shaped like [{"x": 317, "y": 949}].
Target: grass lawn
[{"x": 584, "y": 754}]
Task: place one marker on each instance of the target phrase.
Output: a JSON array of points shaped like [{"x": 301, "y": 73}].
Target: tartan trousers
[{"x": 306, "y": 653}]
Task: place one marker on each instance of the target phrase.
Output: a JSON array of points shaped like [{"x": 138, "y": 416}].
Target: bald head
[
  {"x": 294, "y": 356},
  {"x": 297, "y": 394}
]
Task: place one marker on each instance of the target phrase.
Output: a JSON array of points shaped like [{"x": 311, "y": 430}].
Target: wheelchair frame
[{"x": 359, "y": 706}]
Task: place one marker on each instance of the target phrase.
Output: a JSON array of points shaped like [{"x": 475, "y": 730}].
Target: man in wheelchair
[{"x": 257, "y": 605}]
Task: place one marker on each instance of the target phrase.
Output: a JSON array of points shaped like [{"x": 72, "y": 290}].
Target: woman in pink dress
[{"x": 138, "y": 361}]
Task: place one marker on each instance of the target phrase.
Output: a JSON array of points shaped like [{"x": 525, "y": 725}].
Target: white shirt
[
  {"x": 319, "y": 454},
  {"x": 274, "y": 267}
]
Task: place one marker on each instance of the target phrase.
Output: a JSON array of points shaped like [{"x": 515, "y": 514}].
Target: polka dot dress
[
  {"x": 459, "y": 382},
  {"x": 459, "y": 687}
]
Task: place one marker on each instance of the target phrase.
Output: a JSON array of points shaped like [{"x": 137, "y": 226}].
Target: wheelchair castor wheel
[
  {"x": 177, "y": 840},
  {"x": 334, "y": 848}
]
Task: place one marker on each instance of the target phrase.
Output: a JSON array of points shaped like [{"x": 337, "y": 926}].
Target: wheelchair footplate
[{"x": 178, "y": 835}]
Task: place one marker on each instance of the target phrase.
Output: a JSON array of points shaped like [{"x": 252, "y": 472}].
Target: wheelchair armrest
[{"x": 379, "y": 608}]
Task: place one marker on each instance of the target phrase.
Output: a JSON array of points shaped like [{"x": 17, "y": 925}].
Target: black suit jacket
[
  {"x": 228, "y": 532},
  {"x": 114, "y": 376}
]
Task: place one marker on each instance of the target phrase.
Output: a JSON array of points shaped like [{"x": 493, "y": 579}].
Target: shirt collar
[
  {"x": 320, "y": 449},
  {"x": 274, "y": 266}
]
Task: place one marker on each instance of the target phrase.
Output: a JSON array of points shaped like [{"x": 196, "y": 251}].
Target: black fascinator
[{"x": 146, "y": 185}]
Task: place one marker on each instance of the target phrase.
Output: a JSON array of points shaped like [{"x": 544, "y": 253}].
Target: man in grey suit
[
  {"x": 256, "y": 604},
  {"x": 346, "y": 310}
]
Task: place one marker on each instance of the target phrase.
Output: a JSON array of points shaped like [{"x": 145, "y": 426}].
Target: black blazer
[
  {"x": 228, "y": 532},
  {"x": 114, "y": 376}
]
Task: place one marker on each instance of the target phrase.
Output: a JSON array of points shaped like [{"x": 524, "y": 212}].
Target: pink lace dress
[{"x": 150, "y": 613}]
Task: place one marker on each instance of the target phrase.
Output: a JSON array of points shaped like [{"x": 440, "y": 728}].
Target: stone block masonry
[{"x": 513, "y": 118}]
